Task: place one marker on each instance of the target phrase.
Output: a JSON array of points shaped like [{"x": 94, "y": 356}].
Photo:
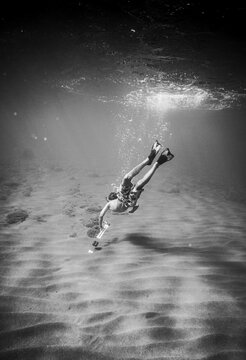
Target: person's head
[{"x": 111, "y": 196}]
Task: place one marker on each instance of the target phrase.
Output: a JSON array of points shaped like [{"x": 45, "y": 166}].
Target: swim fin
[
  {"x": 165, "y": 156},
  {"x": 154, "y": 151}
]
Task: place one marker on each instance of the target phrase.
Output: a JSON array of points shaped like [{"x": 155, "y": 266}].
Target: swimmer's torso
[{"x": 117, "y": 206}]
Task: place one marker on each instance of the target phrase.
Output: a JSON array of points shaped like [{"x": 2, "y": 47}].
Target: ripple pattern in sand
[{"x": 141, "y": 297}]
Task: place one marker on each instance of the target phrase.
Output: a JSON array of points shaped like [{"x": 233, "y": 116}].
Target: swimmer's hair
[{"x": 111, "y": 196}]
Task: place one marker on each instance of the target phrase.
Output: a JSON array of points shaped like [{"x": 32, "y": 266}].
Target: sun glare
[{"x": 162, "y": 99}]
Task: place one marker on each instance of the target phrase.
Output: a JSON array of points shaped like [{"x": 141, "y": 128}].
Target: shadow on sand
[{"x": 223, "y": 260}]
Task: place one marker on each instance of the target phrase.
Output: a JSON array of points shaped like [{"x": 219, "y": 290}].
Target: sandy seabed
[{"x": 169, "y": 282}]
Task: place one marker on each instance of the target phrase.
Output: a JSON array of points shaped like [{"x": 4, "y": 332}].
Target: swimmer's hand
[
  {"x": 101, "y": 215},
  {"x": 135, "y": 207},
  {"x": 104, "y": 225},
  {"x": 101, "y": 226}
]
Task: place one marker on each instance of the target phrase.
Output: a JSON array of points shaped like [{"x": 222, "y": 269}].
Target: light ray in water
[
  {"x": 144, "y": 118},
  {"x": 141, "y": 114}
]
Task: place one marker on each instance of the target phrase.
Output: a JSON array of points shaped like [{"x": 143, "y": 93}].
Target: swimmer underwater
[{"x": 128, "y": 193}]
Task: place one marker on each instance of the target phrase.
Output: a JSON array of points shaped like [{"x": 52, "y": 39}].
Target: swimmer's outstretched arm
[{"x": 102, "y": 213}]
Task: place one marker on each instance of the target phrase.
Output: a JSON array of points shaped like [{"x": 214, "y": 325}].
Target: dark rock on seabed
[{"x": 17, "y": 216}]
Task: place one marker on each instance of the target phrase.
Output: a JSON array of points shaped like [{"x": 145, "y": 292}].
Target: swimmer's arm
[{"x": 102, "y": 213}]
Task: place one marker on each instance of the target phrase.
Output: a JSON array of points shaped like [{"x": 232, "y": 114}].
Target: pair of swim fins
[{"x": 165, "y": 156}]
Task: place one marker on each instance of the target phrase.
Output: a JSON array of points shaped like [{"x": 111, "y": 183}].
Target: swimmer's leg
[
  {"x": 136, "y": 170},
  {"x": 142, "y": 182},
  {"x": 165, "y": 156},
  {"x": 148, "y": 161}
]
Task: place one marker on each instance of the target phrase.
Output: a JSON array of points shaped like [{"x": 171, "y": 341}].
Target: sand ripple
[{"x": 143, "y": 296}]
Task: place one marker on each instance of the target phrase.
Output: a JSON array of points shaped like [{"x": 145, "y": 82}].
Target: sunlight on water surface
[
  {"x": 141, "y": 108},
  {"x": 144, "y": 117}
]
